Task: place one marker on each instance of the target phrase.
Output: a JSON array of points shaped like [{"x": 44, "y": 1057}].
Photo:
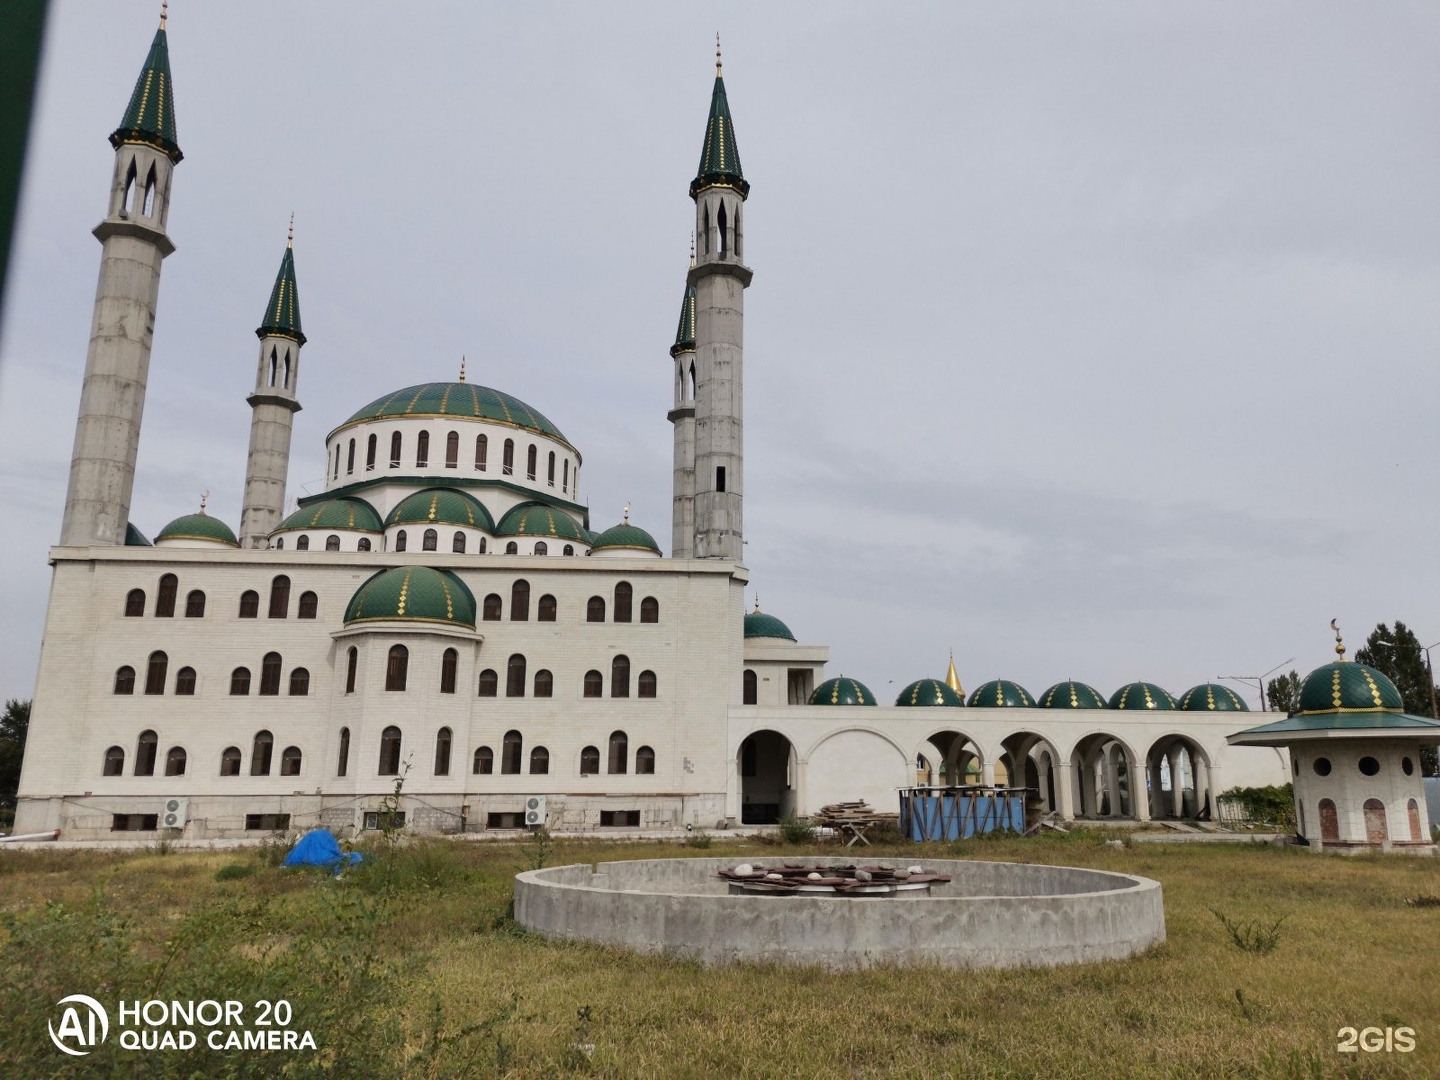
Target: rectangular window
[
  {"x": 619, "y": 819},
  {"x": 505, "y": 821},
  {"x": 134, "y": 822},
  {"x": 267, "y": 822},
  {"x": 720, "y": 478},
  {"x": 373, "y": 819}
]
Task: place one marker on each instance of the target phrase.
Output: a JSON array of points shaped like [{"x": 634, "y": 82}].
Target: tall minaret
[
  {"x": 682, "y": 532},
  {"x": 719, "y": 279},
  {"x": 133, "y": 242},
  {"x": 273, "y": 405}
]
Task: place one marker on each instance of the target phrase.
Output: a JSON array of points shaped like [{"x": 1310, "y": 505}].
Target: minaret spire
[{"x": 682, "y": 353}]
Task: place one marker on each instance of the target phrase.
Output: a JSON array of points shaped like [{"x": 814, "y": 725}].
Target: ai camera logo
[{"x": 80, "y": 1024}]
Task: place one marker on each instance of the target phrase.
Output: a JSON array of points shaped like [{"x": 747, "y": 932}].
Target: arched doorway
[
  {"x": 1028, "y": 760},
  {"x": 766, "y": 764},
  {"x": 1178, "y": 775},
  {"x": 1104, "y": 771},
  {"x": 957, "y": 759}
]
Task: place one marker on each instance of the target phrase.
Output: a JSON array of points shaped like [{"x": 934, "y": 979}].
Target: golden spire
[
  {"x": 165, "y": 10},
  {"x": 1339, "y": 645},
  {"x": 627, "y": 514},
  {"x": 462, "y": 368},
  {"x": 204, "y": 498},
  {"x": 718, "y": 71},
  {"x": 952, "y": 680},
  {"x": 290, "y": 237},
  {"x": 757, "y": 603}
]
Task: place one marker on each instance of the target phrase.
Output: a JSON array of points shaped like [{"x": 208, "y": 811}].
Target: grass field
[{"x": 410, "y": 966}]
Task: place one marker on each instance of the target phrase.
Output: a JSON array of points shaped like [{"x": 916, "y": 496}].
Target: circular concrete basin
[{"x": 990, "y": 914}]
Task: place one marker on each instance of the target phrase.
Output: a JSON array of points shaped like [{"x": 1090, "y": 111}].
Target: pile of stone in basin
[{"x": 837, "y": 880}]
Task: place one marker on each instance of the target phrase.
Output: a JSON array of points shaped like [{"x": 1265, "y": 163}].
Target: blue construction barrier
[{"x": 959, "y": 813}]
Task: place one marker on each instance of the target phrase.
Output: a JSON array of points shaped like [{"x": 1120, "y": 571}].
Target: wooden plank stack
[{"x": 859, "y": 812}]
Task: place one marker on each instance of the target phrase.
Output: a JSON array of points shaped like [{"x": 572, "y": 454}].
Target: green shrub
[
  {"x": 699, "y": 839},
  {"x": 795, "y": 830},
  {"x": 234, "y": 871},
  {"x": 1266, "y": 805},
  {"x": 1253, "y": 936}
]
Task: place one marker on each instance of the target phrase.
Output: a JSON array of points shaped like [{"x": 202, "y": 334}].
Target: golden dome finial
[
  {"x": 164, "y": 12},
  {"x": 204, "y": 498},
  {"x": 462, "y": 367},
  {"x": 1339, "y": 644},
  {"x": 290, "y": 236},
  {"x": 627, "y": 514},
  {"x": 718, "y": 71},
  {"x": 952, "y": 679},
  {"x": 757, "y": 603}
]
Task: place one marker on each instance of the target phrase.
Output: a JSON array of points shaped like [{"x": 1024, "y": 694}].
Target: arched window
[
  {"x": 452, "y": 450},
  {"x": 185, "y": 682},
  {"x": 370, "y": 449},
  {"x": 260, "y": 751},
  {"x": 397, "y": 667},
  {"x": 619, "y": 747},
  {"x": 230, "y": 761},
  {"x": 352, "y": 666},
  {"x": 363, "y": 544},
  {"x": 539, "y": 761},
  {"x": 649, "y": 610},
  {"x": 430, "y": 540},
  {"x": 400, "y": 540},
  {"x": 484, "y": 763},
  {"x": 249, "y": 604},
  {"x": 280, "y": 543},
  {"x": 195, "y": 604},
  {"x": 490, "y": 609},
  {"x": 125, "y": 680},
  {"x": 530, "y": 463},
  {"x": 343, "y": 765},
  {"x": 270, "y": 674},
  {"x": 510, "y": 751},
  {"x": 750, "y": 692},
  {"x": 175, "y": 762},
  {"x": 589, "y": 761},
  {"x": 623, "y": 595},
  {"x": 620, "y": 677},
  {"x": 482, "y": 545},
  {"x": 482, "y": 450},
  {"x": 395, "y": 450},
  {"x": 457, "y": 543},
  {"x": 145, "y": 754},
  {"x": 290, "y": 761},
  {"x": 114, "y": 762},
  {"x": 507, "y": 463},
  {"x": 512, "y": 548},
  {"x": 390, "y": 751},
  {"x": 595, "y": 609},
  {"x": 594, "y": 684},
  {"x": 542, "y": 548},
  {"x": 489, "y": 683},
  {"x": 309, "y": 604},
  {"x": 280, "y": 597},
  {"x": 449, "y": 661},
  {"x": 645, "y": 685},
  {"x": 645, "y": 761},
  {"x": 442, "y": 752},
  {"x": 520, "y": 601},
  {"x": 240, "y": 681},
  {"x": 550, "y": 470},
  {"x": 422, "y": 450},
  {"x": 515, "y": 676},
  {"x": 569, "y": 549},
  {"x": 544, "y": 683},
  {"x": 148, "y": 210},
  {"x": 350, "y": 459},
  {"x": 336, "y": 474},
  {"x": 135, "y": 603},
  {"x": 300, "y": 682},
  {"x": 155, "y": 673},
  {"x": 545, "y": 609},
  {"x": 165, "y": 597},
  {"x": 303, "y": 543},
  {"x": 565, "y": 476},
  {"x": 332, "y": 543}
]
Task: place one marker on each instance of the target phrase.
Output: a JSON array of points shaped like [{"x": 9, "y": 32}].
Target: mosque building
[{"x": 443, "y": 617}]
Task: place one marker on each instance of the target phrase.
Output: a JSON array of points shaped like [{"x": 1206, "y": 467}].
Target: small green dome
[
  {"x": 441, "y": 506},
  {"x": 1072, "y": 695},
  {"x": 1002, "y": 694},
  {"x": 929, "y": 692},
  {"x": 134, "y": 537},
  {"x": 1212, "y": 697},
  {"x": 760, "y": 625},
  {"x": 842, "y": 692},
  {"x": 413, "y": 594},
  {"x": 1347, "y": 686},
  {"x": 345, "y": 513},
  {"x": 537, "y": 519},
  {"x": 199, "y": 526},
  {"x": 1142, "y": 695},
  {"x": 626, "y": 535},
  {"x": 458, "y": 399}
]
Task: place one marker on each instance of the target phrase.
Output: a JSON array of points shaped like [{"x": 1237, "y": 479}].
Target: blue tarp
[{"x": 319, "y": 847}]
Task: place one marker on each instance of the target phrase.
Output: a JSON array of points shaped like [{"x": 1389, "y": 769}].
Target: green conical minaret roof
[
  {"x": 282, "y": 314},
  {"x": 150, "y": 119},
  {"x": 685, "y": 332},
  {"x": 719, "y": 156}
]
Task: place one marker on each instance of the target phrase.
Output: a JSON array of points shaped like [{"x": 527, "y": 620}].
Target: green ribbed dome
[
  {"x": 199, "y": 526},
  {"x": 441, "y": 506},
  {"x": 1347, "y": 686},
  {"x": 760, "y": 625},
  {"x": 929, "y": 692},
  {"x": 459, "y": 399},
  {"x": 355, "y": 515},
  {"x": 1071, "y": 695},
  {"x": 134, "y": 537},
  {"x": 842, "y": 692},
  {"x": 626, "y": 536},
  {"x": 413, "y": 594},
  {"x": 537, "y": 519},
  {"x": 1002, "y": 694},
  {"x": 1142, "y": 695},
  {"x": 1212, "y": 697}
]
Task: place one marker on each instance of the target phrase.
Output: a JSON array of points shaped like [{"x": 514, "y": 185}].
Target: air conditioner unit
[
  {"x": 175, "y": 813},
  {"x": 535, "y": 811}
]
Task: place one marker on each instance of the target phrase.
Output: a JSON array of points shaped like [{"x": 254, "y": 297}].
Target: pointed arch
[
  {"x": 129, "y": 191},
  {"x": 722, "y": 224},
  {"x": 286, "y": 381},
  {"x": 274, "y": 366},
  {"x": 147, "y": 209}
]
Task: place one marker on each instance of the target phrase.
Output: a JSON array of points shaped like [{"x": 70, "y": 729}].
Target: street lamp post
[
  {"x": 1259, "y": 680},
  {"x": 1429, "y": 670}
]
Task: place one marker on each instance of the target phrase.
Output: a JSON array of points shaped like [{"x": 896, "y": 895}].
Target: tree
[
  {"x": 1398, "y": 654},
  {"x": 14, "y": 726},
  {"x": 1283, "y": 693}
]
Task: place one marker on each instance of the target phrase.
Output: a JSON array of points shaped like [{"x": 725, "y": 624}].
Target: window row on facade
[
  {"x": 307, "y": 607},
  {"x": 557, "y": 468},
  {"x": 512, "y": 756},
  {"x": 271, "y": 678},
  {"x": 542, "y": 685},
  {"x": 262, "y": 750}
]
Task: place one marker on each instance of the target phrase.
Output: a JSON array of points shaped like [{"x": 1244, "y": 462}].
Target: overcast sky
[{"x": 1093, "y": 340}]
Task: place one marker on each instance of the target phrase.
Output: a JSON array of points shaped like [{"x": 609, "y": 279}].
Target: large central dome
[{"x": 459, "y": 399}]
